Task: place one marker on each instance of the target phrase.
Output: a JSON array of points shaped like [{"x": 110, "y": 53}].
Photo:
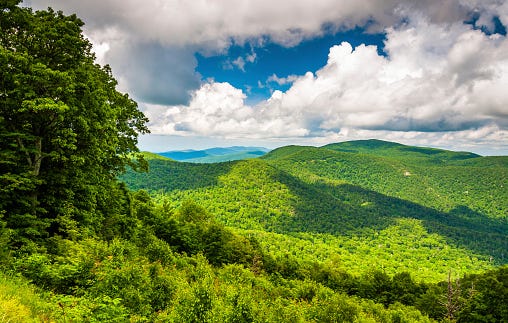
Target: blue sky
[
  {"x": 275, "y": 59},
  {"x": 264, "y": 73}
]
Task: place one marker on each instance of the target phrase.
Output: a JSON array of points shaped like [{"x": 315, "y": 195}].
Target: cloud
[
  {"x": 155, "y": 74},
  {"x": 240, "y": 61},
  {"x": 251, "y": 58},
  {"x": 218, "y": 109},
  {"x": 177, "y": 22},
  {"x": 282, "y": 80},
  {"x": 183, "y": 27},
  {"x": 435, "y": 79}
]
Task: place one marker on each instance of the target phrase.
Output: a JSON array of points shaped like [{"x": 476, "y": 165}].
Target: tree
[
  {"x": 452, "y": 302},
  {"x": 65, "y": 131}
]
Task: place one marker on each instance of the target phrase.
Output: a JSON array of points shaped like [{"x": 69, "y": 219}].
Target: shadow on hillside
[
  {"x": 344, "y": 209},
  {"x": 349, "y": 210},
  {"x": 167, "y": 176}
]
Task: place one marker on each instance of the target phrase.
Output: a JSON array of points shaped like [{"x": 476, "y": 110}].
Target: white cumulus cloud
[{"x": 436, "y": 78}]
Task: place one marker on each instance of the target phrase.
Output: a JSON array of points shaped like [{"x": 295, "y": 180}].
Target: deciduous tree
[{"x": 65, "y": 131}]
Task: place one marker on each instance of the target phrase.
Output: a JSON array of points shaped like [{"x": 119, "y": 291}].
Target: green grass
[{"x": 21, "y": 302}]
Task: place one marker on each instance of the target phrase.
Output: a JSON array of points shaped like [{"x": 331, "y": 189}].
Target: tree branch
[{"x": 22, "y": 148}]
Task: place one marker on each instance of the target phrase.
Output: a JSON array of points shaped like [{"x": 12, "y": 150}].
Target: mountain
[
  {"x": 443, "y": 180},
  {"x": 215, "y": 155},
  {"x": 396, "y": 150},
  {"x": 425, "y": 213}
]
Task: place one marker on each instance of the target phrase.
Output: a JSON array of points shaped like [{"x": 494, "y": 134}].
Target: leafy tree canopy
[{"x": 65, "y": 131}]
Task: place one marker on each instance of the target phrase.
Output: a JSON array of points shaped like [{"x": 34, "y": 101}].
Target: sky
[{"x": 307, "y": 72}]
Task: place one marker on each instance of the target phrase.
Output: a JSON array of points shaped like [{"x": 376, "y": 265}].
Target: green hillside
[
  {"x": 167, "y": 175},
  {"x": 396, "y": 150},
  {"x": 150, "y": 156},
  {"x": 331, "y": 203},
  {"x": 455, "y": 185}
]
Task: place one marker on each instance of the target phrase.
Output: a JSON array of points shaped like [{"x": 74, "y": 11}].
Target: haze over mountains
[
  {"x": 215, "y": 155},
  {"x": 390, "y": 149}
]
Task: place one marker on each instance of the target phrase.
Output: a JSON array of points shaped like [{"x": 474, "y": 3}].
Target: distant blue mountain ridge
[{"x": 216, "y": 154}]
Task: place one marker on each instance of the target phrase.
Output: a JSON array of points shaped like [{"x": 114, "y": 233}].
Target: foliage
[
  {"x": 395, "y": 150},
  {"x": 167, "y": 175},
  {"x": 328, "y": 216},
  {"x": 145, "y": 277},
  {"x": 65, "y": 131},
  {"x": 21, "y": 302},
  {"x": 450, "y": 184}
]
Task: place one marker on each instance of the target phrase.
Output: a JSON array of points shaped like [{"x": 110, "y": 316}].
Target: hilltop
[
  {"x": 396, "y": 150},
  {"x": 439, "y": 179}
]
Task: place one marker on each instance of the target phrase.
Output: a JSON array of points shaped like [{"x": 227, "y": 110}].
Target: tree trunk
[
  {"x": 36, "y": 166},
  {"x": 34, "y": 163}
]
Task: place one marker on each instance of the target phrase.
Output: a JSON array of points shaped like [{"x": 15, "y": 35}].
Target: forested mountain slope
[
  {"x": 447, "y": 181},
  {"x": 396, "y": 150},
  {"x": 168, "y": 175},
  {"x": 371, "y": 210}
]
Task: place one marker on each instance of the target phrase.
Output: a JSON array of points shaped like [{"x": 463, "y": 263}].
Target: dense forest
[
  {"x": 92, "y": 230},
  {"x": 413, "y": 212}
]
